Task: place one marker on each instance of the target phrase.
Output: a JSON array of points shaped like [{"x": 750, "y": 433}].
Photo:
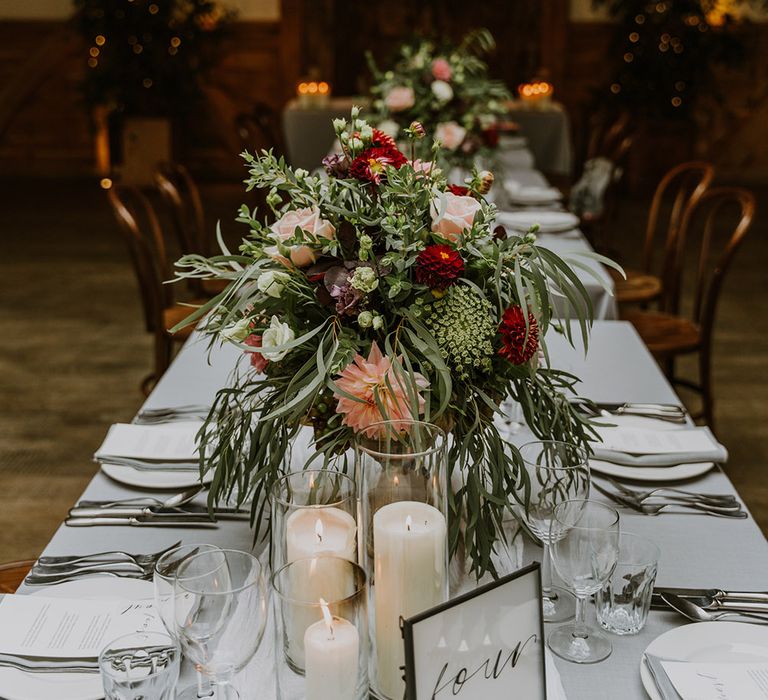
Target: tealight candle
[
  {"x": 313, "y": 93},
  {"x": 410, "y": 540},
  {"x": 332, "y": 648}
]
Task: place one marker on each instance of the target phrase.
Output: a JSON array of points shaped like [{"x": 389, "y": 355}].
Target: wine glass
[
  {"x": 585, "y": 550},
  {"x": 221, "y": 613},
  {"x": 557, "y": 472},
  {"x": 164, "y": 579}
]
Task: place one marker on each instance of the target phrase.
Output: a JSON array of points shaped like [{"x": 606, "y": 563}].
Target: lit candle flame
[
  {"x": 408, "y": 523},
  {"x": 396, "y": 481},
  {"x": 327, "y": 617},
  {"x": 319, "y": 531}
]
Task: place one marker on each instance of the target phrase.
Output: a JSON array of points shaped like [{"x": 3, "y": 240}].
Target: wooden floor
[{"x": 73, "y": 349}]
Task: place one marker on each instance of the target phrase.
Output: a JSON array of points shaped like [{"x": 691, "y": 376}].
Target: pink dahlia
[{"x": 368, "y": 380}]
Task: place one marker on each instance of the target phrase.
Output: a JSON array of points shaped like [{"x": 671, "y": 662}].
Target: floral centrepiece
[
  {"x": 446, "y": 89},
  {"x": 377, "y": 293}
]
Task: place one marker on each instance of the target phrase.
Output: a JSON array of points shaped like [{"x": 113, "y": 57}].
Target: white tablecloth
[{"x": 696, "y": 551}]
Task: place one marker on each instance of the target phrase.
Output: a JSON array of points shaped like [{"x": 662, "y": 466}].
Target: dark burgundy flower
[
  {"x": 347, "y": 300},
  {"x": 459, "y": 190},
  {"x": 336, "y": 165},
  {"x": 371, "y": 164},
  {"x": 519, "y": 344},
  {"x": 438, "y": 266},
  {"x": 490, "y": 137}
]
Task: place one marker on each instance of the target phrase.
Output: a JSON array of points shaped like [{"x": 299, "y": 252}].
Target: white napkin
[
  {"x": 161, "y": 446},
  {"x": 660, "y": 678},
  {"x": 639, "y": 447}
]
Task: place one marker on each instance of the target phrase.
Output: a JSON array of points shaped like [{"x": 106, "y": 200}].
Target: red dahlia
[
  {"x": 371, "y": 164},
  {"x": 438, "y": 266},
  {"x": 381, "y": 140},
  {"x": 459, "y": 190},
  {"x": 519, "y": 343}
]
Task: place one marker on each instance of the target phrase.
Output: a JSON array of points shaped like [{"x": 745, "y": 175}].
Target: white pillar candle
[
  {"x": 314, "y": 532},
  {"x": 332, "y": 648},
  {"x": 410, "y": 541}
]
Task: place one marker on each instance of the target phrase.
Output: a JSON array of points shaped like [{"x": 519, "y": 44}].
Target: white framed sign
[{"x": 485, "y": 645}]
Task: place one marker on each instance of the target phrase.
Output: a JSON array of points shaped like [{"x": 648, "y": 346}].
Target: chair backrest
[
  {"x": 182, "y": 199},
  {"x": 140, "y": 228},
  {"x": 606, "y": 133},
  {"x": 720, "y": 208},
  {"x": 261, "y": 128},
  {"x": 681, "y": 188}
]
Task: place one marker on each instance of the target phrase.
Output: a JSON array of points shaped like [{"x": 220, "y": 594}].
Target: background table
[
  {"x": 697, "y": 551},
  {"x": 548, "y": 132}
]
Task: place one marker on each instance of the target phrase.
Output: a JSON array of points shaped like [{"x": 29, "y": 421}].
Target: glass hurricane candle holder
[
  {"x": 401, "y": 467},
  {"x": 314, "y": 513},
  {"x": 321, "y": 627}
]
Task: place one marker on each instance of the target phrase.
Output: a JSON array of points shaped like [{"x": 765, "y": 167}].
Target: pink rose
[
  {"x": 422, "y": 167},
  {"x": 450, "y": 134},
  {"x": 258, "y": 361},
  {"x": 441, "y": 69},
  {"x": 452, "y": 214},
  {"x": 309, "y": 221},
  {"x": 398, "y": 99}
]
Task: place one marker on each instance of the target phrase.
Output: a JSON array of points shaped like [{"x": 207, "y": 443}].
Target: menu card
[
  {"x": 64, "y": 628},
  {"x": 647, "y": 442},
  {"x": 712, "y": 681}
]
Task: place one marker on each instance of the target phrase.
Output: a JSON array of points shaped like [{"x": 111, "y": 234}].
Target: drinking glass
[
  {"x": 556, "y": 472},
  {"x": 624, "y": 601},
  {"x": 164, "y": 578},
  {"x": 585, "y": 549},
  {"x": 221, "y": 613},
  {"x": 140, "y": 665}
]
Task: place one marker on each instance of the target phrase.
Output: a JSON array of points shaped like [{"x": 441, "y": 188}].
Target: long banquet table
[{"x": 697, "y": 551}]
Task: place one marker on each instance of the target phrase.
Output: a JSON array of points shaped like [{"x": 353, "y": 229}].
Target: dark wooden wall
[{"x": 45, "y": 130}]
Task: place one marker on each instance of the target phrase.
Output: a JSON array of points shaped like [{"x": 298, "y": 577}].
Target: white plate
[
  {"x": 165, "y": 479},
  {"x": 548, "y": 221},
  {"x": 721, "y": 642},
  {"x": 675, "y": 473},
  {"x": 17, "y": 685},
  {"x": 533, "y": 195}
]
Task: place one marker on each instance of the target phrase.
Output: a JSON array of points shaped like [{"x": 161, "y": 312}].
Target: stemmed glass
[
  {"x": 557, "y": 472},
  {"x": 221, "y": 613},
  {"x": 164, "y": 579},
  {"x": 585, "y": 550}
]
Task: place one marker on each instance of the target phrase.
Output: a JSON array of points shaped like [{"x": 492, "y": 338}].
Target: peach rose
[
  {"x": 452, "y": 214},
  {"x": 450, "y": 134},
  {"x": 307, "y": 220},
  {"x": 441, "y": 69},
  {"x": 399, "y": 99}
]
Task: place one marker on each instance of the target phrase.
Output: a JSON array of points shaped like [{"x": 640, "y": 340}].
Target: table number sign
[{"x": 486, "y": 644}]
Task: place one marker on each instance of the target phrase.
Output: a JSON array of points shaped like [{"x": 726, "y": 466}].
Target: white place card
[
  {"x": 711, "y": 681},
  {"x": 172, "y": 442},
  {"x": 655, "y": 442},
  {"x": 65, "y": 628}
]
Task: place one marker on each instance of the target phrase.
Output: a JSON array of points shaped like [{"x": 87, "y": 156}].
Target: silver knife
[
  {"x": 192, "y": 510},
  {"x": 144, "y": 521}
]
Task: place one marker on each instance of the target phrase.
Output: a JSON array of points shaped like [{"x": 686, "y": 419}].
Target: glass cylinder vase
[
  {"x": 401, "y": 469},
  {"x": 314, "y": 513},
  {"x": 321, "y": 626}
]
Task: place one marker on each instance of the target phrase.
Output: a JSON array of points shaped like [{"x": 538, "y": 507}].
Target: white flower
[
  {"x": 442, "y": 90},
  {"x": 390, "y": 128},
  {"x": 365, "y": 319},
  {"x": 366, "y": 133},
  {"x": 300, "y": 173},
  {"x": 450, "y": 134},
  {"x": 238, "y": 331},
  {"x": 339, "y": 125},
  {"x": 378, "y": 322},
  {"x": 277, "y": 334},
  {"x": 355, "y": 112},
  {"x": 272, "y": 282}
]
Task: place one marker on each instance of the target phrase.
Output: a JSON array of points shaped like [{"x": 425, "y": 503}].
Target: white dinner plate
[
  {"x": 17, "y": 685},
  {"x": 548, "y": 221},
  {"x": 165, "y": 479},
  {"x": 674, "y": 473},
  {"x": 532, "y": 195},
  {"x": 721, "y": 642}
]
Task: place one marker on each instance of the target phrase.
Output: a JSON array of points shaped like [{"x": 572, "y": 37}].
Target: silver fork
[
  {"x": 41, "y": 580},
  {"x": 643, "y": 495},
  {"x": 110, "y": 557}
]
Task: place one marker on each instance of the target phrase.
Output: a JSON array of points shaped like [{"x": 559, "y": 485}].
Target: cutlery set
[
  {"x": 176, "y": 511},
  {"x": 711, "y": 605},
  {"x": 153, "y": 416},
  {"x": 666, "y": 500},
  {"x": 671, "y": 413},
  {"x": 62, "y": 569}
]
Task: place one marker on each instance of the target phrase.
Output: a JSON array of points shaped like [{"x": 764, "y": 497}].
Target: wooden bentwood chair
[
  {"x": 687, "y": 183},
  {"x": 185, "y": 208},
  {"x": 669, "y": 334},
  {"x": 138, "y": 223}
]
